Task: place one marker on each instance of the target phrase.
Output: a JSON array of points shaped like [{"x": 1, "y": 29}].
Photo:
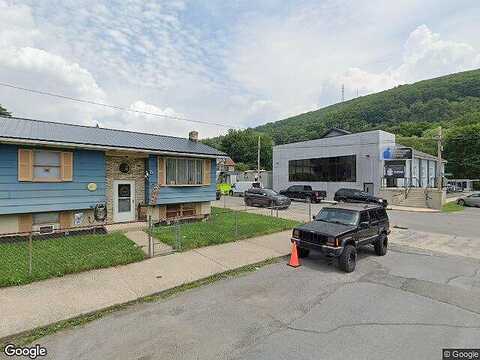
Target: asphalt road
[{"x": 406, "y": 305}]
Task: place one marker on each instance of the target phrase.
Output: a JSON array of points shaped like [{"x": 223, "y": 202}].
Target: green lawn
[
  {"x": 220, "y": 228},
  {"x": 452, "y": 207},
  {"x": 65, "y": 255}
]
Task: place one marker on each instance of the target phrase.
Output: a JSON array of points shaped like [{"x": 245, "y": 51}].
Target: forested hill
[
  {"x": 407, "y": 110},
  {"x": 412, "y": 112}
]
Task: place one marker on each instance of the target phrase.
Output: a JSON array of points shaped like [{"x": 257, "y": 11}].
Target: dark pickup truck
[
  {"x": 304, "y": 192},
  {"x": 339, "y": 231}
]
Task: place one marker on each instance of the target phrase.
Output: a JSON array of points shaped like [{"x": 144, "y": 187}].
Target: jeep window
[
  {"x": 382, "y": 214},
  {"x": 364, "y": 217},
  {"x": 374, "y": 215},
  {"x": 307, "y": 188},
  {"x": 338, "y": 216}
]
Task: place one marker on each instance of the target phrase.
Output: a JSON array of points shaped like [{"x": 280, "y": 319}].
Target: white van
[{"x": 239, "y": 188}]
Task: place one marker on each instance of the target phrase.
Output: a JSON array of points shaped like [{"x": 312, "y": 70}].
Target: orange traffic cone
[{"x": 294, "y": 256}]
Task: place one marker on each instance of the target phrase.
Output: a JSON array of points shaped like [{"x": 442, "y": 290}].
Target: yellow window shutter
[
  {"x": 207, "y": 172},
  {"x": 66, "y": 220},
  {"x": 25, "y": 165},
  {"x": 25, "y": 223},
  {"x": 161, "y": 171},
  {"x": 67, "y": 166}
]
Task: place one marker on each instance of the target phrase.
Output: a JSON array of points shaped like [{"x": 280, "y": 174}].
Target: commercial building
[{"x": 371, "y": 161}]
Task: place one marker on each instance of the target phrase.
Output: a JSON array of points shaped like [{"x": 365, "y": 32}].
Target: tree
[
  {"x": 4, "y": 112},
  {"x": 462, "y": 150}
]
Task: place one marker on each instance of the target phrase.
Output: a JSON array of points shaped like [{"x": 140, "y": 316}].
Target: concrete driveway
[{"x": 406, "y": 305}]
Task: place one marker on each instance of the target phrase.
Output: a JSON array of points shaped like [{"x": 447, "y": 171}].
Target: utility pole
[
  {"x": 258, "y": 159},
  {"x": 343, "y": 92},
  {"x": 439, "y": 159}
]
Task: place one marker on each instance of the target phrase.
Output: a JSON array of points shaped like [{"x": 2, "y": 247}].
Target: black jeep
[{"x": 338, "y": 231}]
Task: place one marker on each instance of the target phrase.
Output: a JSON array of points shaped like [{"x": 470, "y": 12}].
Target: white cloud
[
  {"x": 425, "y": 56},
  {"x": 227, "y": 63}
]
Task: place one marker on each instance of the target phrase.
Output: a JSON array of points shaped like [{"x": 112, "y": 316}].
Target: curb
[{"x": 29, "y": 336}]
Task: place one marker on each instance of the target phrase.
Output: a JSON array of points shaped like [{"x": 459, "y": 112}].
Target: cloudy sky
[{"x": 241, "y": 63}]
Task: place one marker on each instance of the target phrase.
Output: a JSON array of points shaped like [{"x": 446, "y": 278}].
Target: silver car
[{"x": 470, "y": 200}]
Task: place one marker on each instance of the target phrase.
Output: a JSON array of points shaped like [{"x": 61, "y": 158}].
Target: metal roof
[{"x": 38, "y": 130}]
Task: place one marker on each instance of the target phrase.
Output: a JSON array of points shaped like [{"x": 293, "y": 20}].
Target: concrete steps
[{"x": 415, "y": 198}]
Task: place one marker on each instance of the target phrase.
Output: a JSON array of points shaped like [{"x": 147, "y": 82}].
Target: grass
[
  {"x": 452, "y": 207},
  {"x": 29, "y": 337},
  {"x": 65, "y": 255},
  {"x": 220, "y": 229}
]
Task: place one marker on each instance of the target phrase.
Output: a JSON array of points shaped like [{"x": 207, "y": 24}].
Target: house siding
[
  {"x": 180, "y": 194},
  {"x": 29, "y": 197}
]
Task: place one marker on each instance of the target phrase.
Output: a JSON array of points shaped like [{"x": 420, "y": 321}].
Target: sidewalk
[
  {"x": 45, "y": 302},
  {"x": 411, "y": 208}
]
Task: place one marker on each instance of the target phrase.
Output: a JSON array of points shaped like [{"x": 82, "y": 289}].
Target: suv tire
[
  {"x": 348, "y": 259},
  {"x": 303, "y": 253},
  {"x": 381, "y": 245}
]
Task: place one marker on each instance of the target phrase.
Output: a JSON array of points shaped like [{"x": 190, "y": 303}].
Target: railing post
[
  {"x": 177, "y": 236},
  {"x": 30, "y": 250},
  {"x": 271, "y": 208}
]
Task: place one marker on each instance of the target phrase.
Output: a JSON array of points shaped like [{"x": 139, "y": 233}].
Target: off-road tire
[
  {"x": 303, "y": 253},
  {"x": 348, "y": 260},
  {"x": 381, "y": 245}
]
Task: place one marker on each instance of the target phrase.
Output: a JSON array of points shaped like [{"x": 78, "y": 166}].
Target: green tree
[
  {"x": 462, "y": 150},
  {"x": 4, "y": 112}
]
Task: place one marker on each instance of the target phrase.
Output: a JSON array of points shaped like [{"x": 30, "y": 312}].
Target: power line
[{"x": 115, "y": 107}]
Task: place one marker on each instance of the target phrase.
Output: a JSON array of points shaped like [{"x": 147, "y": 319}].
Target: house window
[
  {"x": 183, "y": 171},
  {"x": 46, "y": 165},
  {"x": 45, "y": 218}
]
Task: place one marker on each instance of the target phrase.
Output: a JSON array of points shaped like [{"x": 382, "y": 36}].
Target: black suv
[
  {"x": 355, "y": 195},
  {"x": 304, "y": 192},
  {"x": 265, "y": 197},
  {"x": 338, "y": 231}
]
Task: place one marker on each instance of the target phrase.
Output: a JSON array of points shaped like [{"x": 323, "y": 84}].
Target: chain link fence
[{"x": 49, "y": 251}]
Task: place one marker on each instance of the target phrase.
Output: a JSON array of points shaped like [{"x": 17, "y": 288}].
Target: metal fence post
[
  {"x": 30, "y": 250},
  {"x": 271, "y": 208},
  {"x": 177, "y": 236},
  {"x": 224, "y": 202},
  {"x": 236, "y": 224},
  {"x": 150, "y": 244},
  {"x": 277, "y": 211},
  {"x": 309, "y": 211}
]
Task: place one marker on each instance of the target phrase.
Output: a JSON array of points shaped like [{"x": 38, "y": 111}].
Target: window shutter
[
  {"x": 25, "y": 222},
  {"x": 66, "y": 220},
  {"x": 67, "y": 166},
  {"x": 207, "y": 171},
  {"x": 161, "y": 171},
  {"x": 25, "y": 165}
]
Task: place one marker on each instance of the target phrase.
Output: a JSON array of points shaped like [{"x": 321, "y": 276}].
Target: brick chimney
[{"x": 193, "y": 136}]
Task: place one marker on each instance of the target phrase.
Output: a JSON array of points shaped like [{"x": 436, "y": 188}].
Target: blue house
[{"x": 58, "y": 176}]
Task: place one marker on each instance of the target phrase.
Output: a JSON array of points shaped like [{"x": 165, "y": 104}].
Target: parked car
[
  {"x": 239, "y": 188},
  {"x": 266, "y": 197},
  {"x": 304, "y": 192},
  {"x": 340, "y": 230},
  {"x": 355, "y": 195},
  {"x": 470, "y": 200}
]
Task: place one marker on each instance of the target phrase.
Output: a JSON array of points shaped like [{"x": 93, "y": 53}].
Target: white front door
[{"x": 123, "y": 200}]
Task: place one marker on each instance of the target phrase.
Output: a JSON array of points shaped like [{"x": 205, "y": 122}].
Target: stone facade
[{"x": 137, "y": 173}]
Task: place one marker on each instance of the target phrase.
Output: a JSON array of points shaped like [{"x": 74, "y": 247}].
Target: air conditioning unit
[{"x": 45, "y": 229}]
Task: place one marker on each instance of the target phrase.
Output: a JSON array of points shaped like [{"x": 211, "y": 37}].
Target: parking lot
[
  {"x": 464, "y": 223},
  {"x": 405, "y": 305}
]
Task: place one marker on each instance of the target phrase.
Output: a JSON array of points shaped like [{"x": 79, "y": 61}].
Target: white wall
[{"x": 366, "y": 146}]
